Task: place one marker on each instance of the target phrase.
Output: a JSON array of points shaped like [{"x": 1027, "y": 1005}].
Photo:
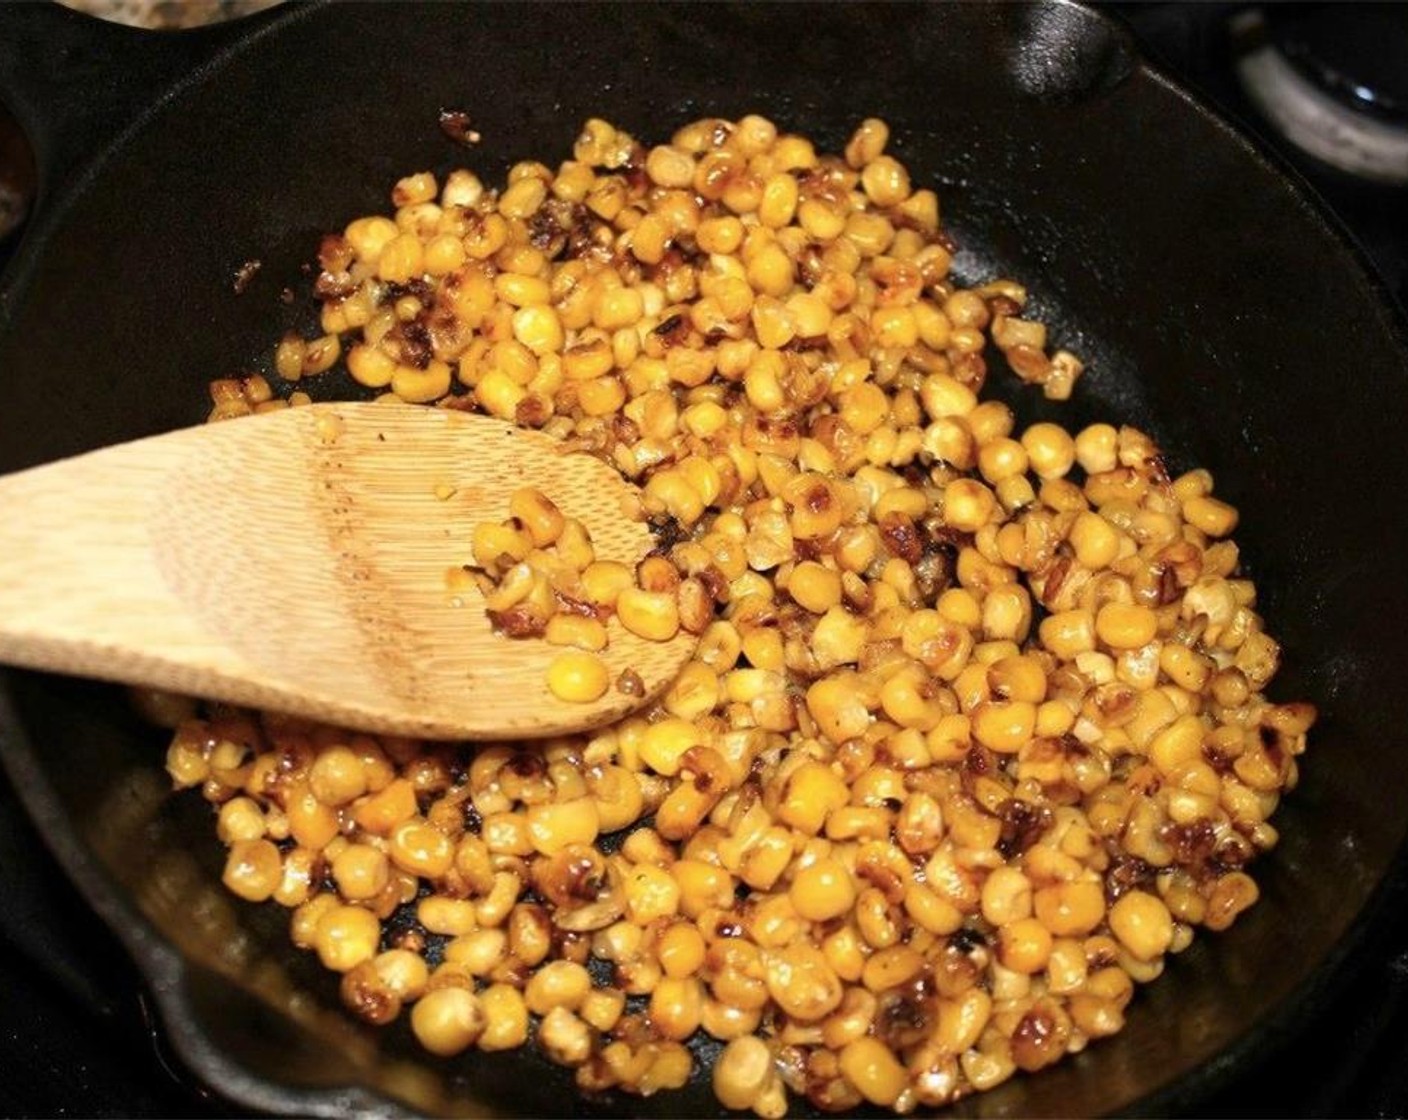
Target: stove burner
[{"x": 1333, "y": 80}]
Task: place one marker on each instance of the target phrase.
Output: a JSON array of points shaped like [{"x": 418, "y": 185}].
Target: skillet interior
[{"x": 1216, "y": 308}]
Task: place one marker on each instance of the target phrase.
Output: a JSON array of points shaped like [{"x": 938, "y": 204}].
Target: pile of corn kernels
[{"x": 975, "y": 735}]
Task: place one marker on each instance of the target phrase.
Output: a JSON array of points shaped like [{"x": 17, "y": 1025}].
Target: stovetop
[{"x": 76, "y": 1036}]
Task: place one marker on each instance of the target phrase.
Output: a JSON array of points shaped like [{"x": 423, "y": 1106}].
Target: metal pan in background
[{"x": 1217, "y": 304}]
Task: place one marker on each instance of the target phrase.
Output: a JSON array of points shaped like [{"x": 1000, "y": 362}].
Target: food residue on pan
[
  {"x": 245, "y": 274},
  {"x": 454, "y": 123},
  {"x": 976, "y": 733}
]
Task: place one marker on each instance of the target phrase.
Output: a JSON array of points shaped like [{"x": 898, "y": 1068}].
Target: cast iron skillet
[{"x": 1217, "y": 304}]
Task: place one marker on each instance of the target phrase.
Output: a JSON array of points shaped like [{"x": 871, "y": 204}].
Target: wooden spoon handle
[{"x": 78, "y": 577}]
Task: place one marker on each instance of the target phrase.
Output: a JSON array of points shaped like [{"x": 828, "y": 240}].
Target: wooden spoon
[{"x": 297, "y": 561}]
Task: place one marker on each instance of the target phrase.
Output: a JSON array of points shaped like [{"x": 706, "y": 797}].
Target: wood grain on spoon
[{"x": 297, "y": 561}]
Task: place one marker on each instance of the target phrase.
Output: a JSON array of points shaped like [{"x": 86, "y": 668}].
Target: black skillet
[{"x": 1218, "y": 305}]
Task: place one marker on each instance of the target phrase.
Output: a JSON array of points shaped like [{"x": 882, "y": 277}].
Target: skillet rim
[{"x": 1291, "y": 1016}]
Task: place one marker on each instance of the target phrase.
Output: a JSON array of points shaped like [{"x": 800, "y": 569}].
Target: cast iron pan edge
[
  {"x": 79, "y": 86},
  {"x": 165, "y": 969},
  {"x": 1365, "y": 935}
]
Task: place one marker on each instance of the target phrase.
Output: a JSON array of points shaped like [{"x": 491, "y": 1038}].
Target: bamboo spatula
[{"x": 297, "y": 560}]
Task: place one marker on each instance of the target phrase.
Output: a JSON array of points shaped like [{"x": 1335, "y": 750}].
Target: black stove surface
[{"x": 76, "y": 1037}]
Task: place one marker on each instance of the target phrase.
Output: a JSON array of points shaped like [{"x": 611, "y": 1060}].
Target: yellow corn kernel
[
  {"x": 505, "y": 1018},
  {"x": 451, "y": 917},
  {"x": 553, "y": 826},
  {"x": 1097, "y": 448},
  {"x": 1095, "y": 540},
  {"x": 346, "y": 936},
  {"x": 500, "y": 394},
  {"x": 742, "y": 1072},
  {"x": 1070, "y": 909},
  {"x": 602, "y": 1008},
  {"x": 801, "y": 982},
  {"x": 401, "y": 260},
  {"x": 968, "y": 505},
  {"x": 371, "y": 367},
  {"x": 1068, "y": 633},
  {"x": 702, "y": 886},
  {"x": 1210, "y": 516},
  {"x": 289, "y": 357},
  {"x": 417, "y": 847},
  {"x": 680, "y": 950},
  {"x": 538, "y": 514},
  {"x": 539, "y": 329},
  {"x": 1025, "y": 946},
  {"x": 444, "y": 254},
  {"x": 931, "y": 911},
  {"x": 448, "y": 1020},
  {"x": 575, "y": 630},
  {"x": 676, "y": 1006},
  {"x": 722, "y": 235},
  {"x": 867, "y": 143},
  {"x": 665, "y": 743},
  {"x": 811, "y": 792},
  {"x": 414, "y": 189},
  {"x": 578, "y": 677},
  {"x": 557, "y": 984},
  {"x": 479, "y": 952},
  {"x": 650, "y": 893},
  {"x": 873, "y": 1069},
  {"x": 1006, "y": 896},
  {"x": 1125, "y": 626},
  {"x": 1050, "y": 449},
  {"x": 618, "y": 307},
  {"x": 369, "y": 236},
  {"x": 1143, "y": 924},
  {"x": 767, "y": 859},
  {"x": 890, "y": 967},
  {"x": 822, "y": 890},
  {"x": 839, "y": 707},
  {"x": 361, "y": 872},
  {"x": 421, "y": 386},
  {"x": 653, "y": 615},
  {"x": 1004, "y": 726},
  {"x": 770, "y": 272},
  {"x": 523, "y": 198},
  {"x": 1018, "y": 678},
  {"x": 1001, "y": 459},
  {"x": 253, "y": 869},
  {"x": 241, "y": 819},
  {"x": 814, "y": 587},
  {"x": 779, "y": 201},
  {"x": 1007, "y": 613}
]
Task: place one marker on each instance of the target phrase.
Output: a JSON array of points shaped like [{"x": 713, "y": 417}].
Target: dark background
[{"x": 77, "y": 1038}]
